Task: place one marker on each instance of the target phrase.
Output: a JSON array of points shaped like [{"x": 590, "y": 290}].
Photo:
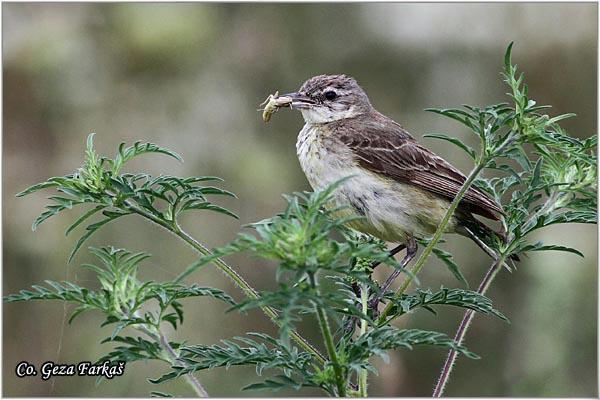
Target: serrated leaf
[
  {"x": 160, "y": 394},
  {"x": 378, "y": 340},
  {"x": 454, "y": 114},
  {"x": 91, "y": 229},
  {"x": 90, "y": 141},
  {"x": 275, "y": 384},
  {"x": 452, "y": 297},
  {"x": 54, "y": 209},
  {"x": 469, "y": 150},
  {"x": 561, "y": 117},
  {"x": 537, "y": 171},
  {"x": 554, "y": 247},
  {"x": 36, "y": 187},
  {"x": 82, "y": 218},
  {"x": 216, "y": 191},
  {"x": 447, "y": 259},
  {"x": 78, "y": 311},
  {"x": 139, "y": 148}
]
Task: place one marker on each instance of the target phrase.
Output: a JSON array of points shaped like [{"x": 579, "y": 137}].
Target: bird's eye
[{"x": 330, "y": 95}]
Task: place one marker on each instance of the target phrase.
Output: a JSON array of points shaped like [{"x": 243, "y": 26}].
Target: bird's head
[{"x": 327, "y": 98}]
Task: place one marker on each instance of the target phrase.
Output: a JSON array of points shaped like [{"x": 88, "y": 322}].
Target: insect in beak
[{"x": 273, "y": 103}]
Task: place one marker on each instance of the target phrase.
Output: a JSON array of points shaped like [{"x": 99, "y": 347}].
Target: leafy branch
[
  {"x": 316, "y": 274},
  {"x": 161, "y": 200},
  {"x": 555, "y": 184},
  {"x": 564, "y": 172},
  {"x": 127, "y": 302}
]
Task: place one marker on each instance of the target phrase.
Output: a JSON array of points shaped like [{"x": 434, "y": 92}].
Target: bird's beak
[
  {"x": 298, "y": 100},
  {"x": 292, "y": 100}
]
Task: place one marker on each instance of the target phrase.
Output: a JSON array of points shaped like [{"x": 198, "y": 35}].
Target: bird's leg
[
  {"x": 352, "y": 320},
  {"x": 411, "y": 251},
  {"x": 392, "y": 253}
]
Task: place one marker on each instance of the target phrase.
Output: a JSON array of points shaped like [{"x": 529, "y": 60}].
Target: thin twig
[
  {"x": 193, "y": 382},
  {"x": 363, "y": 374},
  {"x": 329, "y": 343},
  {"x": 465, "y": 323},
  {"x": 173, "y": 358},
  {"x": 464, "y": 327}
]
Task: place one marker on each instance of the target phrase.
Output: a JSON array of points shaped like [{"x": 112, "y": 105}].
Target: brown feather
[{"x": 383, "y": 146}]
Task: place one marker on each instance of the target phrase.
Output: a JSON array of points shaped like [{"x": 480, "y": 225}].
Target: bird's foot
[
  {"x": 373, "y": 305},
  {"x": 350, "y": 325}
]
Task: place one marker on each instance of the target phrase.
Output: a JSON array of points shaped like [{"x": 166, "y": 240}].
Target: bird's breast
[{"x": 323, "y": 159}]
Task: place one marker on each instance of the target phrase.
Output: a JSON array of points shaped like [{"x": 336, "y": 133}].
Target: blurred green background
[{"x": 191, "y": 76}]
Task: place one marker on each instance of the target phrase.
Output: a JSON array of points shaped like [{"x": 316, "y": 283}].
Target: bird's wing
[{"x": 384, "y": 147}]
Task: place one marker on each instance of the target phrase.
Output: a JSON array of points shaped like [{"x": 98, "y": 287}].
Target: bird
[{"x": 400, "y": 188}]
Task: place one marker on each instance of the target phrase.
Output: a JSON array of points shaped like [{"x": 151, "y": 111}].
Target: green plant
[
  {"x": 552, "y": 179},
  {"x": 545, "y": 177}
]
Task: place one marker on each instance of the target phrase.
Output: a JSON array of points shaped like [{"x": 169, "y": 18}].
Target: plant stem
[
  {"x": 227, "y": 270},
  {"x": 173, "y": 358},
  {"x": 436, "y": 238},
  {"x": 328, "y": 339},
  {"x": 363, "y": 374},
  {"x": 191, "y": 379},
  {"x": 464, "y": 327},
  {"x": 465, "y": 323}
]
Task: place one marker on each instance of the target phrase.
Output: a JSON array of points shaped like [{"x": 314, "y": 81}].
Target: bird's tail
[{"x": 482, "y": 235}]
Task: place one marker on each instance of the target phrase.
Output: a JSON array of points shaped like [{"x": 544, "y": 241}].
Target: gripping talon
[{"x": 411, "y": 251}]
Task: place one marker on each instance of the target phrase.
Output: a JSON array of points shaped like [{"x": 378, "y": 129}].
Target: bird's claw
[{"x": 350, "y": 324}]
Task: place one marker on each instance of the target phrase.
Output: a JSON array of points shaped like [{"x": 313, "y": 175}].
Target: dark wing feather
[{"x": 382, "y": 146}]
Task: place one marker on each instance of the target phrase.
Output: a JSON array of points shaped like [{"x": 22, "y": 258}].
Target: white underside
[{"x": 393, "y": 211}]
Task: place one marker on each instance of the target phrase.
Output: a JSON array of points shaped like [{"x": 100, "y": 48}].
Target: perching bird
[{"x": 401, "y": 188}]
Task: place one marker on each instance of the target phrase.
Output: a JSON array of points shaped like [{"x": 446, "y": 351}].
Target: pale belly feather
[{"x": 392, "y": 211}]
